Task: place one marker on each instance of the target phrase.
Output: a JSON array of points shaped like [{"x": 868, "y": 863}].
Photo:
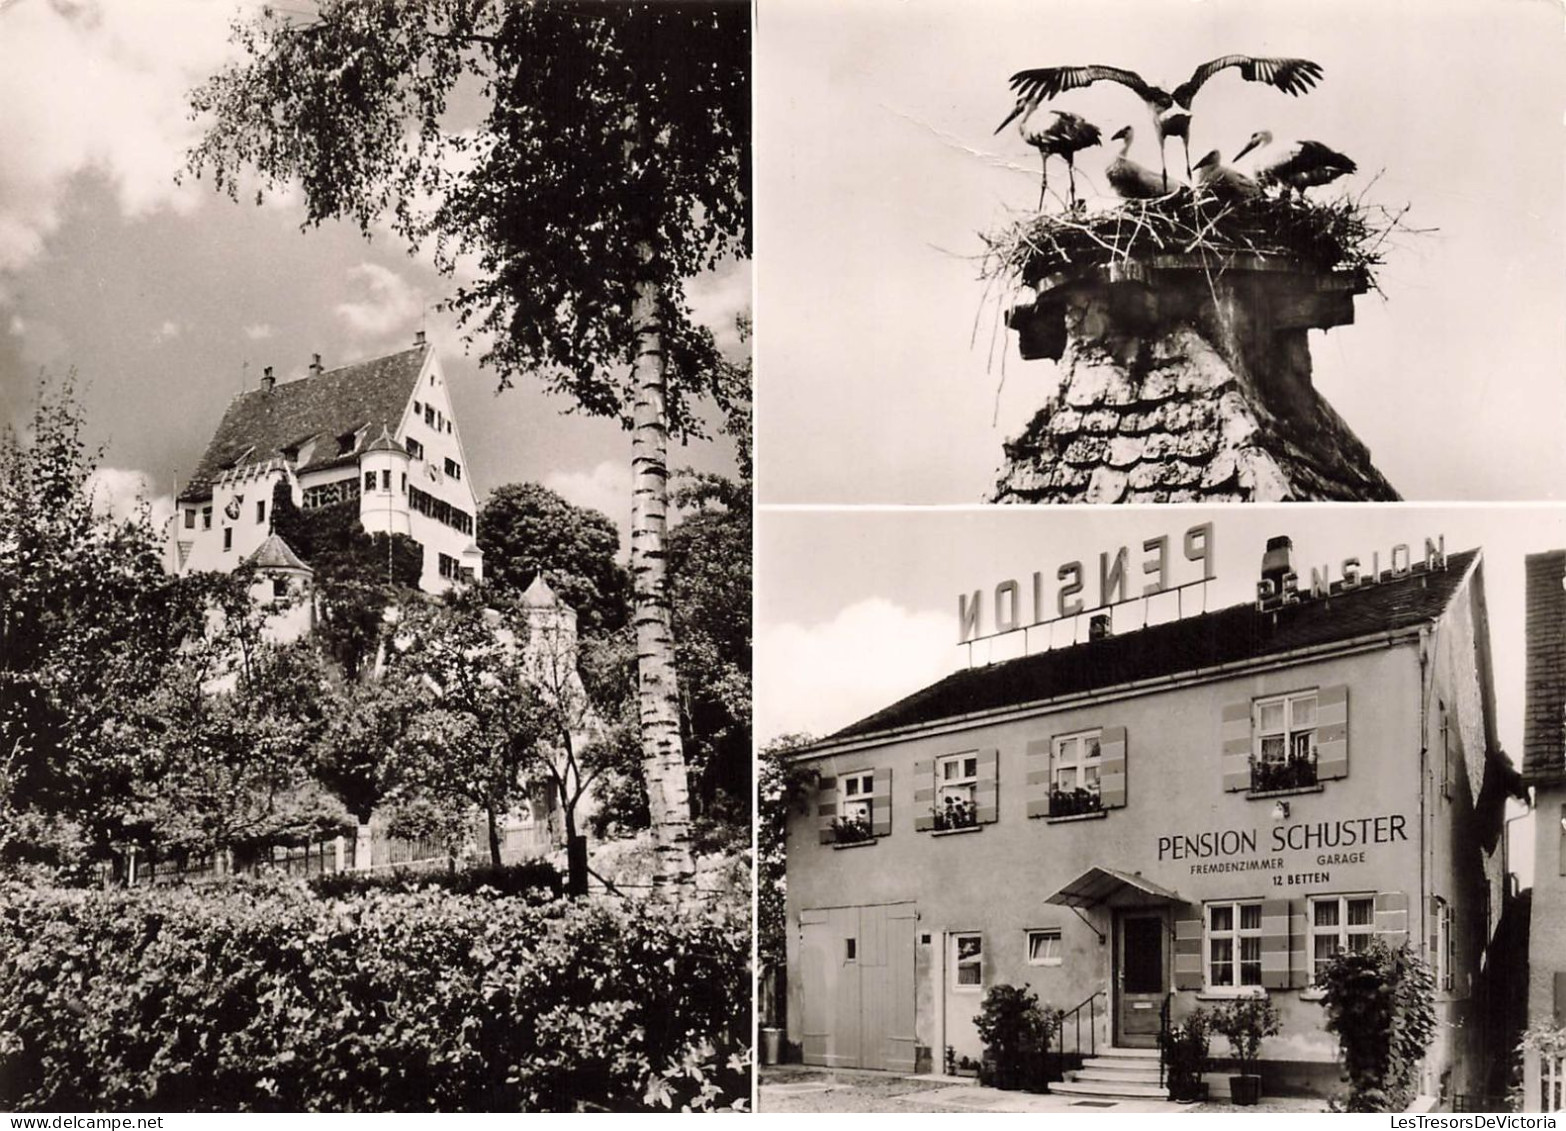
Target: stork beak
[
  {"x": 1250, "y": 145},
  {"x": 1015, "y": 110}
]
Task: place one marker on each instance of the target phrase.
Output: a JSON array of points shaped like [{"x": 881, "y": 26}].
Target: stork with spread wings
[{"x": 1171, "y": 111}]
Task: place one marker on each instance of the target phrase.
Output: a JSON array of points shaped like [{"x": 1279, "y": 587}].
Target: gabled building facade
[
  {"x": 1165, "y": 819},
  {"x": 1544, "y": 769},
  {"x": 379, "y": 433}
]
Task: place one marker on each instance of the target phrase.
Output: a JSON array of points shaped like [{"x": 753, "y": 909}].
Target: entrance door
[
  {"x": 857, "y": 965},
  {"x": 1141, "y": 979}
]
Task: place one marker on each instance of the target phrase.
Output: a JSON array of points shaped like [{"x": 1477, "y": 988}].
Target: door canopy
[{"x": 1105, "y": 887}]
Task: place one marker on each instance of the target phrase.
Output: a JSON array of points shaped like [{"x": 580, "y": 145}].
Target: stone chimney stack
[
  {"x": 1277, "y": 561},
  {"x": 1099, "y": 627},
  {"x": 418, "y": 339},
  {"x": 1544, "y": 679},
  {"x": 1179, "y": 381},
  {"x": 315, "y": 365},
  {"x": 268, "y": 382}
]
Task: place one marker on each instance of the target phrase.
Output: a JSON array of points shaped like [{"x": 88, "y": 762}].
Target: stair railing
[
  {"x": 1073, "y": 1018},
  {"x": 1163, "y": 1034}
]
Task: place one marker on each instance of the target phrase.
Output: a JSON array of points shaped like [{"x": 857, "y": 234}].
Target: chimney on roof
[
  {"x": 418, "y": 339},
  {"x": 1278, "y": 561},
  {"x": 315, "y": 365},
  {"x": 267, "y": 380},
  {"x": 1099, "y": 627}
]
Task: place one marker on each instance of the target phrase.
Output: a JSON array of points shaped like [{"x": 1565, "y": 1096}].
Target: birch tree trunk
[{"x": 663, "y": 757}]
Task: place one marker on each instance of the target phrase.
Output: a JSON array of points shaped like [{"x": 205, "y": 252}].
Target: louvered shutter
[
  {"x": 1299, "y": 942},
  {"x": 986, "y": 792},
  {"x": 924, "y": 796},
  {"x": 1236, "y": 736},
  {"x": 1188, "y": 947},
  {"x": 1275, "y": 944},
  {"x": 1112, "y": 771},
  {"x": 826, "y": 808},
  {"x": 1332, "y": 733},
  {"x": 1392, "y": 917},
  {"x": 881, "y": 803},
  {"x": 1038, "y": 777}
]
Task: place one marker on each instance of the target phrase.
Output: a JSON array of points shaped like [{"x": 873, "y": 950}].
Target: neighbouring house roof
[
  {"x": 1544, "y": 719},
  {"x": 341, "y": 409},
  {"x": 1233, "y": 635},
  {"x": 275, "y": 553}
]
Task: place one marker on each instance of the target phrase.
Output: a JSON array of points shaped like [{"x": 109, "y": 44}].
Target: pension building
[{"x": 1168, "y": 818}]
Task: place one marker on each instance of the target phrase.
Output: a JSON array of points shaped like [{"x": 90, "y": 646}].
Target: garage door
[{"x": 857, "y": 965}]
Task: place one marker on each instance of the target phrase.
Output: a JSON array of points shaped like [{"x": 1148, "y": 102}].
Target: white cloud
[
  {"x": 821, "y": 677},
  {"x": 18, "y": 326},
  {"x": 121, "y": 493},
  {"x": 259, "y": 332},
  {"x": 605, "y": 488},
  {"x": 389, "y": 304},
  {"x": 717, "y": 298},
  {"x": 166, "y": 332},
  {"x": 98, "y": 86}
]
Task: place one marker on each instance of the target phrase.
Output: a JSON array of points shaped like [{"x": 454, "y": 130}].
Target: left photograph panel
[{"x": 375, "y": 556}]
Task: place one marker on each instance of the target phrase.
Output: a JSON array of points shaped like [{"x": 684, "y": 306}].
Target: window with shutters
[
  {"x": 1441, "y": 943},
  {"x": 855, "y": 821},
  {"x": 956, "y": 787},
  {"x": 1233, "y": 943},
  {"x": 1076, "y": 764},
  {"x": 1284, "y": 755},
  {"x": 1339, "y": 922},
  {"x": 968, "y": 962},
  {"x": 1044, "y": 947}
]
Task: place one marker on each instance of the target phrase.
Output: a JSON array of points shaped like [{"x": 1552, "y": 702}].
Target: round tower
[{"x": 383, "y": 494}]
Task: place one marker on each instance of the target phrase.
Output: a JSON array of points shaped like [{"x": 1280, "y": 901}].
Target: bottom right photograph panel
[{"x": 1126, "y": 809}]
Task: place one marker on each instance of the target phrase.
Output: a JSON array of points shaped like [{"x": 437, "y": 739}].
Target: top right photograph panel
[{"x": 1146, "y": 252}]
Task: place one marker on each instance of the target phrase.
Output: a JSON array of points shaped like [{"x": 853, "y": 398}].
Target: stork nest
[{"x": 1343, "y": 235}]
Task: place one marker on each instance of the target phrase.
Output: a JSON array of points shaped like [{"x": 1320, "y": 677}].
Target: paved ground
[{"x": 794, "y": 1088}]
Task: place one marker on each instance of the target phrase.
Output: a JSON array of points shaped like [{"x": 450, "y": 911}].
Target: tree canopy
[
  {"x": 525, "y": 529},
  {"x": 551, "y": 142}
]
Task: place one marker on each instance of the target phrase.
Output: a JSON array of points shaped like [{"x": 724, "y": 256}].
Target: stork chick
[
  {"x": 1224, "y": 181},
  {"x": 1130, "y": 180},
  {"x": 1296, "y": 165}
]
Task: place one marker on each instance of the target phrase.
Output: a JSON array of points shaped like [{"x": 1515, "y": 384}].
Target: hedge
[
  {"x": 260, "y": 996},
  {"x": 531, "y": 878}
]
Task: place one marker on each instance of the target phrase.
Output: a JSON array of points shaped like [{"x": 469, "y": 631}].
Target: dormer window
[{"x": 347, "y": 442}]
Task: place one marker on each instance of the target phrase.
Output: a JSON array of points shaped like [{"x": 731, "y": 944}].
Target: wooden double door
[{"x": 857, "y": 966}]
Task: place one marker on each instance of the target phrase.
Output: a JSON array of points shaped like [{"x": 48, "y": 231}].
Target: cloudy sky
[
  {"x": 168, "y": 300},
  {"x": 856, "y": 608},
  {"x": 878, "y": 167}
]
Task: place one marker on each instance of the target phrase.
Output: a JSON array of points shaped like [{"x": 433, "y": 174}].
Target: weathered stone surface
[
  {"x": 1199, "y": 390},
  {"x": 1105, "y": 485}
]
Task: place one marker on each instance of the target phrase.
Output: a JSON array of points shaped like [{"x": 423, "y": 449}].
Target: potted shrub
[
  {"x": 1246, "y": 1022},
  {"x": 1015, "y": 1030},
  {"x": 1185, "y": 1048}
]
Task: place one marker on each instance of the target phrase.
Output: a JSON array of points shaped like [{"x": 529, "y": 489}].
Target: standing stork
[
  {"x": 1066, "y": 136},
  {"x": 1171, "y": 111},
  {"x": 1130, "y": 180},
  {"x": 1294, "y": 164}
]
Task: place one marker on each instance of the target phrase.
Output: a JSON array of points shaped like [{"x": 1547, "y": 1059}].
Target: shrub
[
  {"x": 1185, "y": 1047},
  {"x": 1246, "y": 1022},
  {"x": 1015, "y": 1030},
  {"x": 532, "y": 877},
  {"x": 259, "y": 996},
  {"x": 1381, "y": 1004}
]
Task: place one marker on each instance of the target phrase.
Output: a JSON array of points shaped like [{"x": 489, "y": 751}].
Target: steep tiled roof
[
  {"x": 1544, "y": 719},
  {"x": 1226, "y": 636},
  {"x": 275, "y": 553},
  {"x": 341, "y": 409}
]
